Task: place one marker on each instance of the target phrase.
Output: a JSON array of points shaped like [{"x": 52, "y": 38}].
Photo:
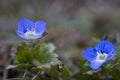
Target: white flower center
[
  {"x": 101, "y": 57},
  {"x": 30, "y": 33}
]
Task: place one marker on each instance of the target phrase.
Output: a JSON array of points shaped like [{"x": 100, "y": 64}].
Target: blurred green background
[
  {"x": 68, "y": 19},
  {"x": 71, "y": 24}
]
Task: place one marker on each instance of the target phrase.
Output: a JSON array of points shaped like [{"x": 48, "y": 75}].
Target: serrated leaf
[
  {"x": 23, "y": 55},
  {"x": 50, "y": 47},
  {"x": 46, "y": 56}
]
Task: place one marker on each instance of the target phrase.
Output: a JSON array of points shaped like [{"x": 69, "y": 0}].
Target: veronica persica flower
[
  {"x": 101, "y": 53},
  {"x": 30, "y": 30}
]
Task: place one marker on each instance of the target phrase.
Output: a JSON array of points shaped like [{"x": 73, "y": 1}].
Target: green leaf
[
  {"x": 84, "y": 73},
  {"x": 20, "y": 66},
  {"x": 66, "y": 73},
  {"x": 80, "y": 76},
  {"x": 26, "y": 78},
  {"x": 59, "y": 70},
  {"x": 24, "y": 44},
  {"x": 44, "y": 56},
  {"x": 53, "y": 71},
  {"x": 35, "y": 52},
  {"x": 114, "y": 72},
  {"x": 23, "y": 55},
  {"x": 11, "y": 66}
]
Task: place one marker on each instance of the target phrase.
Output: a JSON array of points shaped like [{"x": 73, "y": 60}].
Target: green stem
[
  {"x": 105, "y": 73},
  {"x": 36, "y": 77},
  {"x": 25, "y": 73},
  {"x": 60, "y": 76}
]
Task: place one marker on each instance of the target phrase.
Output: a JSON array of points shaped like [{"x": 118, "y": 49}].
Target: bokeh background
[{"x": 71, "y": 25}]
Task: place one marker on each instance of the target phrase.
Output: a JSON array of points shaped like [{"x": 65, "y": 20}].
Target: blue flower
[
  {"x": 30, "y": 30},
  {"x": 101, "y": 53}
]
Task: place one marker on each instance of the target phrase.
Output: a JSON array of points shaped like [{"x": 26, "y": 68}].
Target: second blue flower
[{"x": 98, "y": 55}]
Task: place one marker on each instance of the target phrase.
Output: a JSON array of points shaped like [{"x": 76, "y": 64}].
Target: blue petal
[
  {"x": 111, "y": 55},
  {"x": 105, "y": 47},
  {"x": 25, "y": 24},
  {"x": 95, "y": 65},
  {"x": 28, "y": 37},
  {"x": 89, "y": 54},
  {"x": 21, "y": 35},
  {"x": 40, "y": 27}
]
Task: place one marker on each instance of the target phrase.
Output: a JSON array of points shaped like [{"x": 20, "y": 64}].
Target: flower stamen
[
  {"x": 101, "y": 56},
  {"x": 30, "y": 33}
]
